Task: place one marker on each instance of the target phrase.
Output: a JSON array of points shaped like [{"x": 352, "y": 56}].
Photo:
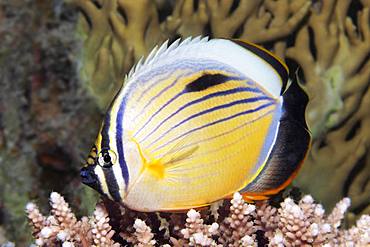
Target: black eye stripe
[{"x": 109, "y": 165}]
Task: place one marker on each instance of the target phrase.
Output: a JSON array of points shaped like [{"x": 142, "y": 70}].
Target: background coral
[
  {"x": 55, "y": 86},
  {"x": 334, "y": 56},
  {"x": 292, "y": 224},
  {"x": 63, "y": 227}
]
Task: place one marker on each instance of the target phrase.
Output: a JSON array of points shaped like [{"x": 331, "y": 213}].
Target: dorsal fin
[
  {"x": 276, "y": 63},
  {"x": 247, "y": 61},
  {"x": 157, "y": 53}
]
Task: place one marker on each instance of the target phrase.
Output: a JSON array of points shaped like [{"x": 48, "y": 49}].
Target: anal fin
[{"x": 250, "y": 197}]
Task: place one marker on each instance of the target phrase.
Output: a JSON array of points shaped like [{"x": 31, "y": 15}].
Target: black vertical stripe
[
  {"x": 112, "y": 184},
  {"x": 110, "y": 178},
  {"x": 275, "y": 63},
  {"x": 104, "y": 132}
]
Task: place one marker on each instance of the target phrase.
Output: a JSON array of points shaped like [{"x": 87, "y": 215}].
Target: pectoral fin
[{"x": 171, "y": 160}]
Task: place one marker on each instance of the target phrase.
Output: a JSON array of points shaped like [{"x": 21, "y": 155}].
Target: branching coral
[
  {"x": 191, "y": 22},
  {"x": 293, "y": 224},
  {"x": 198, "y": 233},
  {"x": 118, "y": 32},
  {"x": 261, "y": 21},
  {"x": 101, "y": 232},
  {"x": 238, "y": 229},
  {"x": 333, "y": 53},
  {"x": 62, "y": 226},
  {"x": 142, "y": 237},
  {"x": 338, "y": 69}
]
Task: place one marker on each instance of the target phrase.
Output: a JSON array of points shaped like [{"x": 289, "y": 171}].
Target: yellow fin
[
  {"x": 179, "y": 155},
  {"x": 157, "y": 166}
]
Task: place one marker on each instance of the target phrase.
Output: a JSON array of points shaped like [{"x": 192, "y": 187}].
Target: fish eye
[{"x": 106, "y": 158}]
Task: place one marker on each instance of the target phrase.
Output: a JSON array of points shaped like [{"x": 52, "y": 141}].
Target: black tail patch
[{"x": 292, "y": 143}]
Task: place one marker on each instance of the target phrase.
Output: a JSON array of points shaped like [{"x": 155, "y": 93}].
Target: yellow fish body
[{"x": 197, "y": 121}]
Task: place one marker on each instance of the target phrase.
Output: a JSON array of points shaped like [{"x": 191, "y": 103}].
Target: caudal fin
[{"x": 292, "y": 143}]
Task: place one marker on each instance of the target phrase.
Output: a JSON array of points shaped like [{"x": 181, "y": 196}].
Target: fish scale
[{"x": 196, "y": 121}]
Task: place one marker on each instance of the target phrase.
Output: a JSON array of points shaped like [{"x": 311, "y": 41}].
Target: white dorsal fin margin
[
  {"x": 224, "y": 51},
  {"x": 164, "y": 49},
  {"x": 148, "y": 60}
]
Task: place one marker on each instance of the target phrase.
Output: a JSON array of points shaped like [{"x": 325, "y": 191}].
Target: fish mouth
[{"x": 89, "y": 177}]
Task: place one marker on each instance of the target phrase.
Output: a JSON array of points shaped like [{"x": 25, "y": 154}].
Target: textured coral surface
[
  {"x": 62, "y": 61},
  {"x": 238, "y": 224}
]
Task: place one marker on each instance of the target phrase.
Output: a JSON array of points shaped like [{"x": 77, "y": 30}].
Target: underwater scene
[{"x": 184, "y": 123}]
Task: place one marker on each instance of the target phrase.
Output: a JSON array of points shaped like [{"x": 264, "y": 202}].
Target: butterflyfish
[{"x": 197, "y": 121}]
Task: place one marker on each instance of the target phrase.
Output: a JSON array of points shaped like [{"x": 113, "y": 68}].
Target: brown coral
[
  {"x": 333, "y": 53},
  {"x": 118, "y": 32}
]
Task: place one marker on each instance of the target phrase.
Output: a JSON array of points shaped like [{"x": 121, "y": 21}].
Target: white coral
[
  {"x": 143, "y": 233},
  {"x": 292, "y": 224}
]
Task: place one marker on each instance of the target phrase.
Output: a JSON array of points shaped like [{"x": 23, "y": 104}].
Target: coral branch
[
  {"x": 196, "y": 232},
  {"x": 100, "y": 228},
  {"x": 37, "y": 220},
  {"x": 143, "y": 234},
  {"x": 191, "y": 22},
  {"x": 274, "y": 20},
  {"x": 239, "y": 228},
  {"x": 224, "y": 24}
]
